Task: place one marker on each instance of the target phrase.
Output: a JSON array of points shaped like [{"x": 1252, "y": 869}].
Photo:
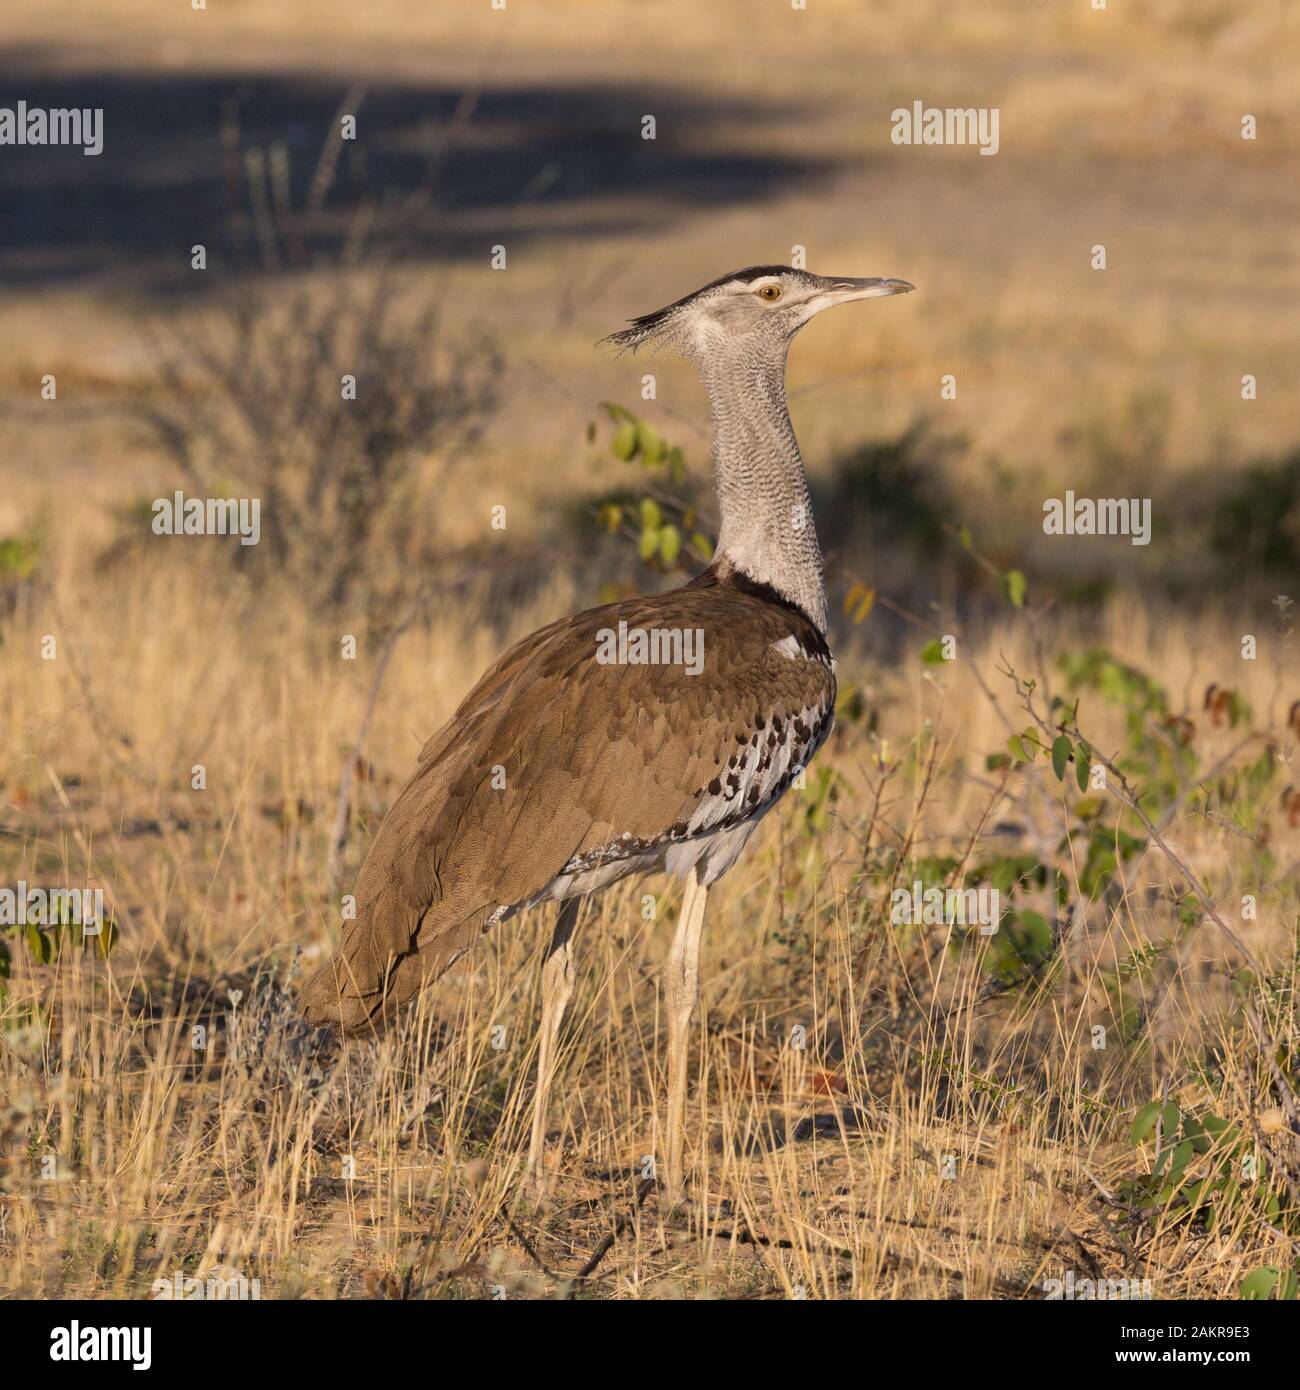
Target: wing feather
[{"x": 555, "y": 755}]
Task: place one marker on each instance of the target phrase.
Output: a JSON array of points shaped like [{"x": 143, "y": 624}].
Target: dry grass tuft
[{"x": 875, "y": 1116}]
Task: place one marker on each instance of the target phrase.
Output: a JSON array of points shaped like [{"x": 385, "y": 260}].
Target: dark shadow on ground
[{"x": 531, "y": 161}]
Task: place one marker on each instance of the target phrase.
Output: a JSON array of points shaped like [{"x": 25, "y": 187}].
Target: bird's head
[{"x": 763, "y": 306}]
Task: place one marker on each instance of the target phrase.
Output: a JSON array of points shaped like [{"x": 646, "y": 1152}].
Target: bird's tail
[
  {"x": 390, "y": 952},
  {"x": 415, "y": 914}
]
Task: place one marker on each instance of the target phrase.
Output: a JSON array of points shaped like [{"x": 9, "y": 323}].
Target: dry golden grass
[{"x": 817, "y": 1172}]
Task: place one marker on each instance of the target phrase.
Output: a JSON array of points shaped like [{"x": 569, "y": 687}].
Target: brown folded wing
[{"x": 556, "y": 755}]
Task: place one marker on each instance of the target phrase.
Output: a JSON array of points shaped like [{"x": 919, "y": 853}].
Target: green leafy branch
[
  {"x": 1206, "y": 1171},
  {"x": 1119, "y": 785},
  {"x": 664, "y": 526}
]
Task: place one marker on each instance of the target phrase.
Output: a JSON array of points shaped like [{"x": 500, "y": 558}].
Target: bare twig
[{"x": 646, "y": 1187}]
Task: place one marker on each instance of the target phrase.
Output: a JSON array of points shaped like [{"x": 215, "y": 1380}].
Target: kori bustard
[{"x": 564, "y": 771}]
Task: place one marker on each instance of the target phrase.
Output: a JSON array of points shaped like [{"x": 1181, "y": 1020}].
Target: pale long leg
[
  {"x": 681, "y": 994},
  {"x": 557, "y": 987}
]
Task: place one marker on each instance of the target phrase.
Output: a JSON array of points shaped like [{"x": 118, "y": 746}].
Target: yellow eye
[{"x": 771, "y": 293}]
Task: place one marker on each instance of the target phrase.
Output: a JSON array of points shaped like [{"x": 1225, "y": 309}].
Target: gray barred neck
[{"x": 767, "y": 529}]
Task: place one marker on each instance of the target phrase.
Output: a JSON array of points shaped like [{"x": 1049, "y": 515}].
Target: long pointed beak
[{"x": 847, "y": 291}]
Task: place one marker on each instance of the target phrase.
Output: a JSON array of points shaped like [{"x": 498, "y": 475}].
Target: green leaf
[
  {"x": 1036, "y": 934},
  {"x": 1019, "y": 751},
  {"x": 18, "y": 556},
  {"x": 1182, "y": 1157},
  {"x": 702, "y": 544},
  {"x": 1061, "y": 750},
  {"x": 932, "y": 652},
  {"x": 651, "y": 444},
  {"x": 41, "y": 947},
  {"x": 623, "y": 444},
  {"x": 1144, "y": 1122},
  {"x": 670, "y": 543},
  {"x": 1013, "y": 587},
  {"x": 1195, "y": 1131},
  {"x": 648, "y": 543},
  {"x": 1082, "y": 766},
  {"x": 1258, "y": 1283},
  {"x": 1022, "y": 946},
  {"x": 1189, "y": 910},
  {"x": 995, "y": 761},
  {"x": 651, "y": 516}
]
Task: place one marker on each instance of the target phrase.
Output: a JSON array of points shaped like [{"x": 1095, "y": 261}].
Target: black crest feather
[{"x": 650, "y": 326}]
